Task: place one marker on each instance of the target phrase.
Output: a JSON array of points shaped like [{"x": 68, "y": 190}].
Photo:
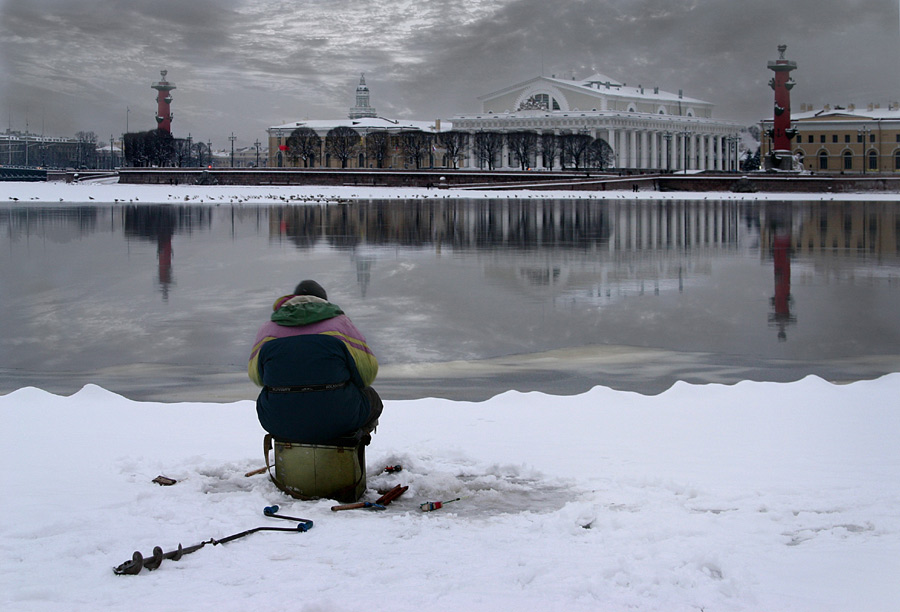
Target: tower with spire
[{"x": 362, "y": 108}]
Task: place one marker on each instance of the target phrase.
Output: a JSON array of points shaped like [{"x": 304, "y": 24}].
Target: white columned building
[{"x": 647, "y": 128}]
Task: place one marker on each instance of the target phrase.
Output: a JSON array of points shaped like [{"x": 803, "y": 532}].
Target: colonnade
[{"x": 646, "y": 149}]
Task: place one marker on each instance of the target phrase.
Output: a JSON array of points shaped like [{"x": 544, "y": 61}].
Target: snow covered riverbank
[
  {"x": 110, "y": 192},
  {"x": 757, "y": 496}
]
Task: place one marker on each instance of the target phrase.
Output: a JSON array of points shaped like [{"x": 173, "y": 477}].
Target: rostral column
[
  {"x": 782, "y": 132},
  {"x": 163, "y": 100}
]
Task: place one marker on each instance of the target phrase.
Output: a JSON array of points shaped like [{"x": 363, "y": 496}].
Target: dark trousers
[{"x": 376, "y": 406}]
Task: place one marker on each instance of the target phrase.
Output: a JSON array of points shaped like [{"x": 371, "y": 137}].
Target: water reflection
[
  {"x": 510, "y": 224},
  {"x": 780, "y": 233},
  {"x": 160, "y": 223},
  {"x": 741, "y": 286}
]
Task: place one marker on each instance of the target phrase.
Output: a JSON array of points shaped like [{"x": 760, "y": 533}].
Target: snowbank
[
  {"x": 757, "y": 496},
  {"x": 104, "y": 192}
]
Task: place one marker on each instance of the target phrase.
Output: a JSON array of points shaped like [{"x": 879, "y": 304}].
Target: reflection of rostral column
[
  {"x": 164, "y": 253},
  {"x": 163, "y": 100},
  {"x": 782, "y": 83},
  {"x": 781, "y": 315}
]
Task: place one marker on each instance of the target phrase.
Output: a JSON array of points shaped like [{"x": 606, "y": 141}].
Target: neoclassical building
[
  {"x": 647, "y": 128},
  {"x": 845, "y": 139},
  {"x": 364, "y": 120}
]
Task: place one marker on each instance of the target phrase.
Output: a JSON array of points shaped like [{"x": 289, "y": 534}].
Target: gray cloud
[{"x": 242, "y": 65}]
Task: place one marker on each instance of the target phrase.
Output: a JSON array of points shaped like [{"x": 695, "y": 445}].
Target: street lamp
[{"x": 863, "y": 134}]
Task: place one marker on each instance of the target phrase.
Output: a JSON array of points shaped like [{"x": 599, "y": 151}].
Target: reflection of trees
[
  {"x": 57, "y": 224},
  {"x": 301, "y": 224},
  {"x": 583, "y": 224}
]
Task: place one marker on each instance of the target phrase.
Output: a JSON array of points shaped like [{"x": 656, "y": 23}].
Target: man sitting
[{"x": 315, "y": 370}]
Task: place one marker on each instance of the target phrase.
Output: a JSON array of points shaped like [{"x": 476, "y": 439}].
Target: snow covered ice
[{"x": 757, "y": 496}]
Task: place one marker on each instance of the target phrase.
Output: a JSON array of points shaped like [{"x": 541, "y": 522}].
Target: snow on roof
[
  {"x": 602, "y": 79},
  {"x": 364, "y": 123},
  {"x": 602, "y": 85},
  {"x": 839, "y": 112}
]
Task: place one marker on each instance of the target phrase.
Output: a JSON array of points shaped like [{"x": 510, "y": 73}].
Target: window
[
  {"x": 873, "y": 160},
  {"x": 859, "y": 138},
  {"x": 871, "y": 137},
  {"x": 847, "y": 138},
  {"x": 822, "y": 138},
  {"x": 834, "y": 138},
  {"x": 897, "y": 159},
  {"x": 823, "y": 160},
  {"x": 811, "y": 138},
  {"x": 848, "y": 160}
]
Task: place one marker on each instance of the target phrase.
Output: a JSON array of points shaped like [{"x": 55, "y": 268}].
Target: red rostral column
[
  {"x": 782, "y": 83},
  {"x": 163, "y": 100}
]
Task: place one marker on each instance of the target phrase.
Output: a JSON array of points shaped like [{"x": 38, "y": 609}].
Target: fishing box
[{"x": 335, "y": 469}]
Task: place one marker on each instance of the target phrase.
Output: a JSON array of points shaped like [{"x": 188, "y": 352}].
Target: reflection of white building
[{"x": 647, "y": 128}]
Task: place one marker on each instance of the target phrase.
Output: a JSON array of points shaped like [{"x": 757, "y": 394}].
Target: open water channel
[{"x": 459, "y": 298}]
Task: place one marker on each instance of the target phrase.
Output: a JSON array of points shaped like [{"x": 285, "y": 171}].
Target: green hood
[{"x": 294, "y": 315}]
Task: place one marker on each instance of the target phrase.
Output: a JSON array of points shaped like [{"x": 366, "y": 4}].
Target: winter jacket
[{"x": 312, "y": 364}]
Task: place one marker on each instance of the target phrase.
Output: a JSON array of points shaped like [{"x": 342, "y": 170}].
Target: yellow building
[
  {"x": 379, "y": 143},
  {"x": 845, "y": 139}
]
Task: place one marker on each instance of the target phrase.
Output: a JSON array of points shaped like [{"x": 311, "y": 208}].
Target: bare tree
[
  {"x": 202, "y": 153},
  {"x": 549, "y": 149},
  {"x": 415, "y": 145},
  {"x": 87, "y": 149},
  {"x": 342, "y": 142},
  {"x": 523, "y": 146},
  {"x": 153, "y": 148},
  {"x": 600, "y": 154},
  {"x": 183, "y": 153},
  {"x": 304, "y": 143},
  {"x": 378, "y": 147},
  {"x": 488, "y": 147},
  {"x": 455, "y": 143},
  {"x": 573, "y": 148}
]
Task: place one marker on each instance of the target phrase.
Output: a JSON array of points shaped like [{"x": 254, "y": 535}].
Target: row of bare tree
[
  {"x": 572, "y": 150},
  {"x": 160, "y": 148}
]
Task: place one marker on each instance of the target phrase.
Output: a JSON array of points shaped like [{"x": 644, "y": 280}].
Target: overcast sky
[{"x": 243, "y": 65}]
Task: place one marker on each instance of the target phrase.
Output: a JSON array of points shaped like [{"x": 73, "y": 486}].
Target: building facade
[
  {"x": 35, "y": 150},
  {"x": 646, "y": 128},
  {"x": 376, "y": 145},
  {"x": 845, "y": 139}
]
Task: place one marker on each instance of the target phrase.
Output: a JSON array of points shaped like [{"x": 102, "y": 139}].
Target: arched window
[
  {"x": 897, "y": 160},
  {"x": 823, "y": 160},
  {"x": 542, "y": 101},
  {"x": 848, "y": 160},
  {"x": 873, "y": 160}
]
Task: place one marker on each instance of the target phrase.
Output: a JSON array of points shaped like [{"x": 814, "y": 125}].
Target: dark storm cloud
[
  {"x": 715, "y": 50},
  {"x": 241, "y": 65}
]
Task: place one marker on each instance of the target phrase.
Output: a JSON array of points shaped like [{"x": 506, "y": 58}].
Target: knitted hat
[{"x": 311, "y": 287}]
